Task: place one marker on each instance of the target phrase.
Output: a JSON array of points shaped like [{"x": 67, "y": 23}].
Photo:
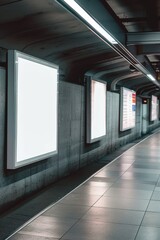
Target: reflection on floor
[{"x": 119, "y": 202}]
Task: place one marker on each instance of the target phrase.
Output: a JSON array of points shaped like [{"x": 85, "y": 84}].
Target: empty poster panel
[
  {"x": 96, "y": 110},
  {"x": 32, "y": 109}
]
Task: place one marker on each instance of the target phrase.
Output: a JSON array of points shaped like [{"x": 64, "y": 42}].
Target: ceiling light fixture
[
  {"x": 151, "y": 77},
  {"x": 73, "y": 7},
  {"x": 95, "y": 25}
]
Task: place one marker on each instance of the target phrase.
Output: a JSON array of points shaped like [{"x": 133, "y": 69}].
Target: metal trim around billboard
[
  {"x": 32, "y": 109},
  {"x": 96, "y": 110}
]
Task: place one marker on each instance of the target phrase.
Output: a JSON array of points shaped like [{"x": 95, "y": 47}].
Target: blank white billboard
[
  {"x": 96, "y": 110},
  {"x": 127, "y": 109},
  {"x": 32, "y": 109}
]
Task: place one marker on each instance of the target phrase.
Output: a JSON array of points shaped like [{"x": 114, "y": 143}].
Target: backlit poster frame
[
  {"x": 32, "y": 111},
  {"x": 127, "y": 109},
  {"x": 153, "y": 108},
  {"x": 96, "y": 94}
]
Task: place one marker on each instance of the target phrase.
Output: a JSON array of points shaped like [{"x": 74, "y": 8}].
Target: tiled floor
[{"x": 120, "y": 202}]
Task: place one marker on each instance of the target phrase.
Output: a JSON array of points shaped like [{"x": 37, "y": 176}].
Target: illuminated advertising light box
[
  {"x": 127, "y": 109},
  {"x": 96, "y": 110},
  {"x": 32, "y": 109},
  {"x": 153, "y": 108}
]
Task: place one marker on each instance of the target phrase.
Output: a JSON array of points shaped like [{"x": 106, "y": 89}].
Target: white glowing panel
[
  {"x": 97, "y": 111},
  {"x": 128, "y": 109},
  {"x": 154, "y": 108},
  {"x": 32, "y": 109},
  {"x": 76, "y": 7}
]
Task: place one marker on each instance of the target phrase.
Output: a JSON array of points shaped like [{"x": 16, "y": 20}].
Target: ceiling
[
  {"x": 46, "y": 29},
  {"x": 141, "y": 19}
]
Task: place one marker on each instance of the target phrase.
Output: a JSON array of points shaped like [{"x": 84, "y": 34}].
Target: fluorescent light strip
[
  {"x": 90, "y": 20},
  {"x": 151, "y": 77}
]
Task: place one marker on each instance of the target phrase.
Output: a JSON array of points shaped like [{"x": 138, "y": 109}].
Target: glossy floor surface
[{"x": 119, "y": 202}]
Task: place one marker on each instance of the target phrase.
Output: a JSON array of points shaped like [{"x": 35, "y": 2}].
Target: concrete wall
[
  {"x": 73, "y": 152},
  {"x": 148, "y": 125}
]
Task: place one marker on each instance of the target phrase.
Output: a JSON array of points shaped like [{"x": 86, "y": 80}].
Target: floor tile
[
  {"x": 156, "y": 196},
  {"x": 65, "y": 211},
  {"x": 146, "y": 165},
  {"x": 144, "y": 170},
  {"x": 157, "y": 189},
  {"x": 47, "y": 229},
  {"x": 109, "y": 174},
  {"x": 148, "y": 233},
  {"x": 95, "y": 183},
  {"x": 151, "y": 219},
  {"x": 52, "y": 220},
  {"x": 97, "y": 191},
  {"x": 20, "y": 236},
  {"x": 128, "y": 193},
  {"x": 80, "y": 199},
  {"x": 129, "y": 184},
  {"x": 122, "y": 203},
  {"x": 154, "y": 206},
  {"x": 102, "y": 179},
  {"x": 140, "y": 176},
  {"x": 121, "y": 167},
  {"x": 101, "y": 231},
  {"x": 126, "y": 160},
  {"x": 114, "y": 216}
]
